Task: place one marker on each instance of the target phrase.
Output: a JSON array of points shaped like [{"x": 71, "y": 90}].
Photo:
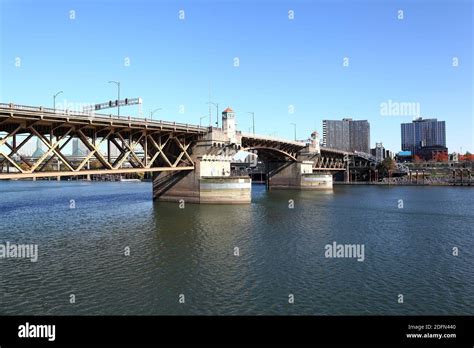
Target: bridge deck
[{"x": 12, "y": 112}]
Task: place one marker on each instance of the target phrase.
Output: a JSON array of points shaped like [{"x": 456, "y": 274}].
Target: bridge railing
[
  {"x": 93, "y": 115},
  {"x": 269, "y": 138},
  {"x": 366, "y": 155}
]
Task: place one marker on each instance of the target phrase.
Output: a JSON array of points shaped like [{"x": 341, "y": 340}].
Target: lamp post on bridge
[
  {"x": 118, "y": 98},
  {"x": 253, "y": 120},
  {"x": 152, "y": 112},
  {"x": 294, "y": 125},
  {"x": 217, "y": 113},
  {"x": 54, "y": 100},
  {"x": 200, "y": 120}
]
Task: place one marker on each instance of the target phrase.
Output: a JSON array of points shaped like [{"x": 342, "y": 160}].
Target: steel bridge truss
[
  {"x": 330, "y": 161},
  {"x": 139, "y": 150}
]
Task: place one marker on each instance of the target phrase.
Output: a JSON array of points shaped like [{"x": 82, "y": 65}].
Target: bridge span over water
[{"x": 188, "y": 162}]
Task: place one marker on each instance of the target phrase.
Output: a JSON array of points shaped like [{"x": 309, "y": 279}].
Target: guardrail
[
  {"x": 366, "y": 155},
  {"x": 269, "y": 138},
  {"x": 69, "y": 113}
]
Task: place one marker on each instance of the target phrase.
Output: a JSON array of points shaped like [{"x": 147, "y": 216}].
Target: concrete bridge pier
[
  {"x": 210, "y": 182},
  {"x": 300, "y": 175}
]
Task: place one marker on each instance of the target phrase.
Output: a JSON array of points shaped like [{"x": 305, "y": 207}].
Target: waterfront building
[
  {"x": 347, "y": 135},
  {"x": 380, "y": 153},
  {"x": 423, "y": 133},
  {"x": 434, "y": 153}
]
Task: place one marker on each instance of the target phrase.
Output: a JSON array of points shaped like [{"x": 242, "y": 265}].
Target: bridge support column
[
  {"x": 300, "y": 175},
  {"x": 209, "y": 183}
]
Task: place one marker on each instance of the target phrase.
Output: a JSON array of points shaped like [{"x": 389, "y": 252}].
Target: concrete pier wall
[
  {"x": 300, "y": 176},
  {"x": 192, "y": 187},
  {"x": 316, "y": 181},
  {"x": 225, "y": 190}
]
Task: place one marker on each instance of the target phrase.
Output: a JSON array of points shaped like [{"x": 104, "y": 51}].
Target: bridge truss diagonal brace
[
  {"x": 14, "y": 149},
  {"x": 95, "y": 149},
  {"x": 52, "y": 149},
  {"x": 131, "y": 149},
  {"x": 184, "y": 152},
  {"x": 93, "y": 152},
  {"x": 159, "y": 147},
  {"x": 3, "y": 141}
]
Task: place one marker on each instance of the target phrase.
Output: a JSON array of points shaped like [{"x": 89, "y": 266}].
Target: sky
[{"x": 288, "y": 62}]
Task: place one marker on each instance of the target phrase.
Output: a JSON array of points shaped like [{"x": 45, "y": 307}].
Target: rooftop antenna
[{"x": 210, "y": 114}]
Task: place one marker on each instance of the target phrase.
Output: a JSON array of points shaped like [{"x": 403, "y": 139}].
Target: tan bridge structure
[{"x": 188, "y": 162}]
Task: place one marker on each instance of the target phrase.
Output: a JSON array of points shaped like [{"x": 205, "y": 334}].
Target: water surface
[{"x": 190, "y": 251}]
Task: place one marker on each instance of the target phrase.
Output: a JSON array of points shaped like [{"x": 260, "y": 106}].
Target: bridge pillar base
[
  {"x": 316, "y": 181},
  {"x": 192, "y": 187},
  {"x": 225, "y": 190},
  {"x": 300, "y": 176}
]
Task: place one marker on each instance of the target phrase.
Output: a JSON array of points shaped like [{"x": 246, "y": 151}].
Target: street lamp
[
  {"x": 253, "y": 120},
  {"x": 118, "y": 99},
  {"x": 151, "y": 113},
  {"x": 294, "y": 125},
  {"x": 200, "y": 123},
  {"x": 217, "y": 112},
  {"x": 54, "y": 100}
]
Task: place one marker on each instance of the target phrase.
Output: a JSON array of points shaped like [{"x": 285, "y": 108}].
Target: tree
[
  {"x": 386, "y": 165},
  {"x": 417, "y": 159},
  {"x": 441, "y": 157}
]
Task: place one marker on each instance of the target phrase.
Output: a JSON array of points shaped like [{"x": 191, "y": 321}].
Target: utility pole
[
  {"x": 294, "y": 125},
  {"x": 253, "y": 120},
  {"x": 54, "y": 100},
  {"x": 217, "y": 112},
  {"x": 118, "y": 99},
  {"x": 200, "y": 120},
  {"x": 151, "y": 113}
]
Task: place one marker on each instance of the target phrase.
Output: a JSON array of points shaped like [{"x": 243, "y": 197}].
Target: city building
[
  {"x": 454, "y": 157},
  {"x": 79, "y": 149},
  {"x": 404, "y": 156},
  {"x": 347, "y": 134},
  {"x": 434, "y": 153},
  {"x": 423, "y": 133},
  {"x": 380, "y": 153},
  {"x": 40, "y": 149}
]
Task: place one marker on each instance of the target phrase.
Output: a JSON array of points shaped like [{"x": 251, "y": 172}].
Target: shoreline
[{"x": 403, "y": 184}]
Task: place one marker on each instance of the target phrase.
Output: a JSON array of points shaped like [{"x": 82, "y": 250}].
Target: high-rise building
[
  {"x": 79, "y": 149},
  {"x": 336, "y": 134},
  {"x": 423, "y": 133},
  {"x": 40, "y": 149},
  {"x": 359, "y": 135},
  {"x": 347, "y": 135}
]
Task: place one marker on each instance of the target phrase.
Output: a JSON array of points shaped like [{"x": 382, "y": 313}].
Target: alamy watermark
[
  {"x": 19, "y": 251},
  {"x": 336, "y": 250},
  {"x": 394, "y": 108}
]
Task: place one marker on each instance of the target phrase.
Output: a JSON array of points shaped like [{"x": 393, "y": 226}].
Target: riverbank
[{"x": 403, "y": 183}]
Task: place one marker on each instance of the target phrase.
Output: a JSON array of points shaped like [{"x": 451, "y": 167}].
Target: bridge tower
[{"x": 228, "y": 124}]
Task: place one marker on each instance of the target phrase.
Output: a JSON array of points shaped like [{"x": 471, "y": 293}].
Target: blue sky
[{"x": 284, "y": 63}]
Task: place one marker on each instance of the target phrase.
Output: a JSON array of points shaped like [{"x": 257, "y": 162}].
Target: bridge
[{"x": 186, "y": 161}]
